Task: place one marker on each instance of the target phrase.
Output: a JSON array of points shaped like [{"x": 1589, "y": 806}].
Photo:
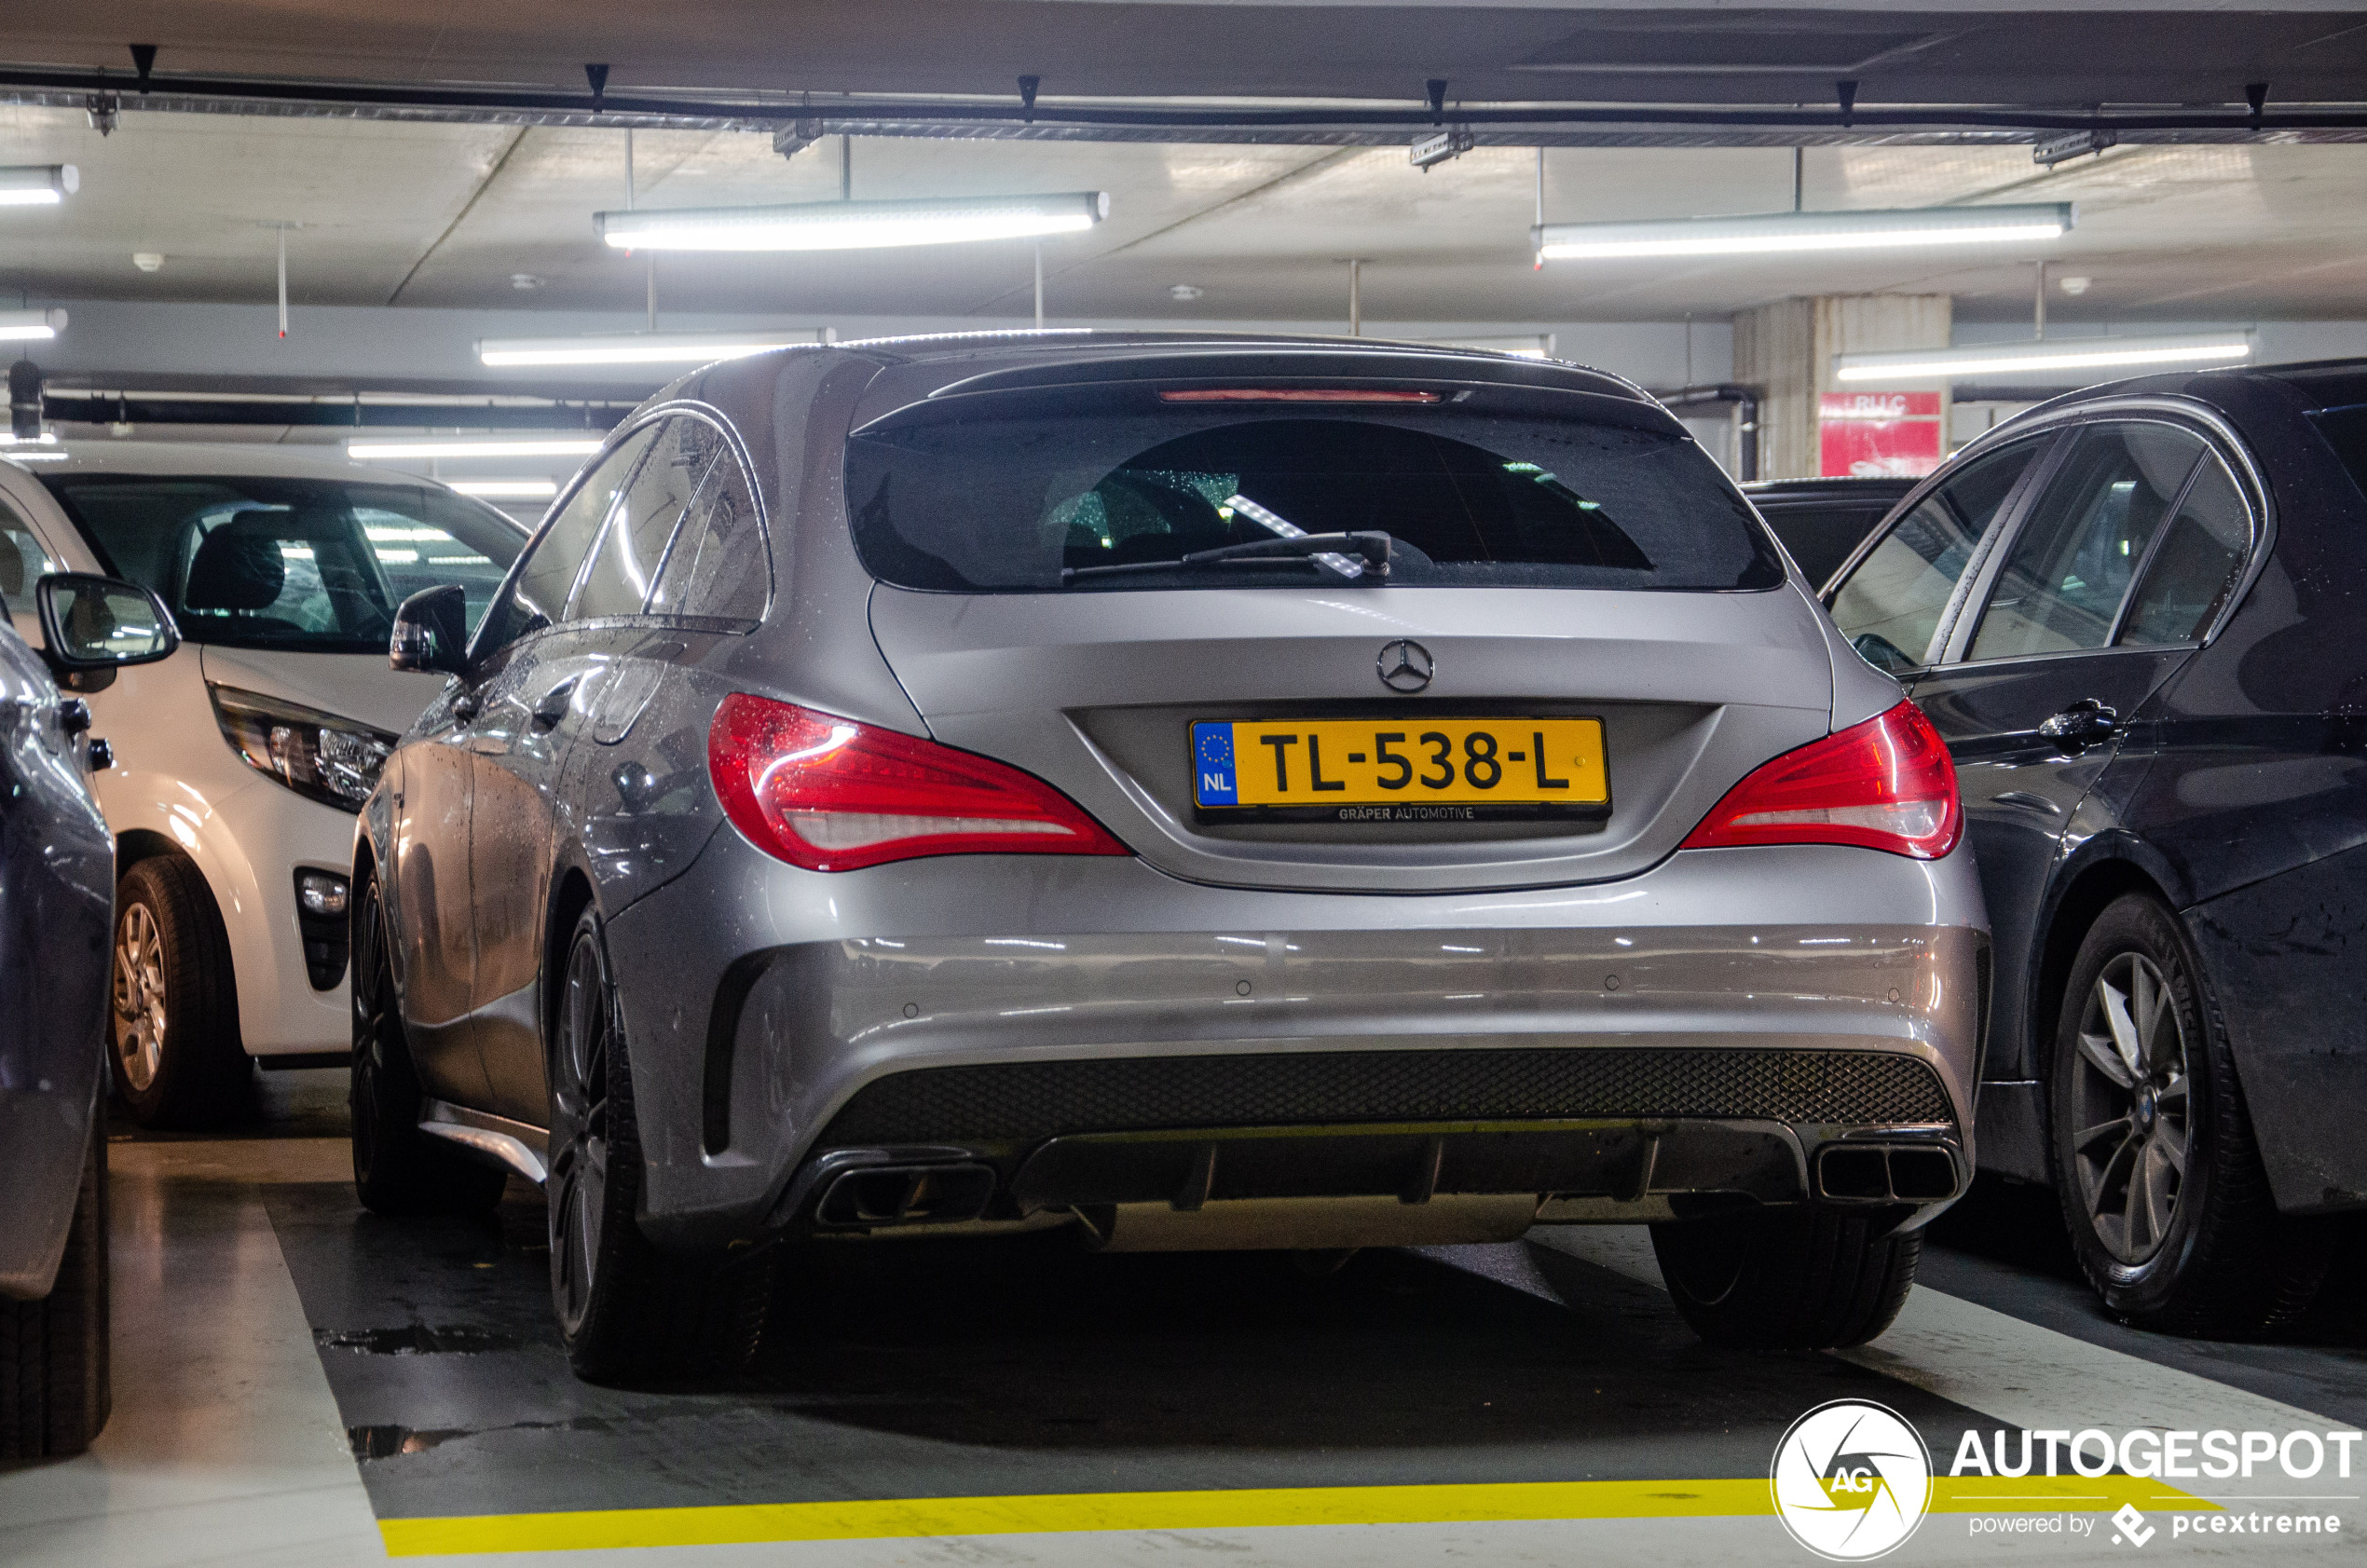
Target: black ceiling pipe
[
  {"x": 24, "y": 399},
  {"x": 172, "y": 90},
  {"x": 84, "y": 408},
  {"x": 1746, "y": 403}
]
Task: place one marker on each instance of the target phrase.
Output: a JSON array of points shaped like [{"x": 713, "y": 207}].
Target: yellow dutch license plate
[{"x": 1400, "y": 769}]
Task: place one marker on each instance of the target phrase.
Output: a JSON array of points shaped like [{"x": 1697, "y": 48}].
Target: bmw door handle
[{"x": 2084, "y": 723}]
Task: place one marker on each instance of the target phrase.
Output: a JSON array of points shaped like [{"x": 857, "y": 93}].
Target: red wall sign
[{"x": 1892, "y": 433}]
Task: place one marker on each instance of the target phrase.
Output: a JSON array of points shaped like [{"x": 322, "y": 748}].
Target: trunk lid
[{"x": 1097, "y": 693}]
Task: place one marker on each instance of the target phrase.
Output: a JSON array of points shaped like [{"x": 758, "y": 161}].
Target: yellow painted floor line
[{"x": 753, "y": 1522}]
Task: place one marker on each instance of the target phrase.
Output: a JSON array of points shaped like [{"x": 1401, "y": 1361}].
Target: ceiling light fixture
[
  {"x": 462, "y": 447},
  {"x": 47, "y": 438},
  {"x": 1774, "y": 233},
  {"x": 38, "y": 185},
  {"x": 32, "y": 323},
  {"x": 641, "y": 347},
  {"x": 2043, "y": 361},
  {"x": 507, "y": 489},
  {"x": 852, "y": 226}
]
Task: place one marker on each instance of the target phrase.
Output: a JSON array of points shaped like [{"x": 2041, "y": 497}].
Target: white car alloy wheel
[
  {"x": 139, "y": 996},
  {"x": 2131, "y": 1136}
]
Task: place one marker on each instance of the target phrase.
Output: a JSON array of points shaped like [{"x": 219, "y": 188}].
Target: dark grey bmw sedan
[
  {"x": 57, "y": 912},
  {"x": 1195, "y": 793}
]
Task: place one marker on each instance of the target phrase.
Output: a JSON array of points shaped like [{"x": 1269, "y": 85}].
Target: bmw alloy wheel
[{"x": 2132, "y": 1136}]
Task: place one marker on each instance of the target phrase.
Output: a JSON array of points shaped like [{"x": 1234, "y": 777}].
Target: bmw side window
[
  {"x": 643, "y": 523},
  {"x": 1889, "y": 606},
  {"x": 720, "y": 567},
  {"x": 539, "y": 596},
  {"x": 2071, "y": 566},
  {"x": 2195, "y": 565}
]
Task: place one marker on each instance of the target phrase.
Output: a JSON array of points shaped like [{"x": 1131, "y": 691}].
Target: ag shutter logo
[{"x": 1850, "y": 1480}]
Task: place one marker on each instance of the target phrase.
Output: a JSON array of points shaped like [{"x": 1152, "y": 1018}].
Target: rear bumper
[{"x": 1089, "y": 1035}]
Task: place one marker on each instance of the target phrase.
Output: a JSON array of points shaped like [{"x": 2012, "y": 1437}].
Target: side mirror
[
  {"x": 92, "y": 624},
  {"x": 432, "y": 630}
]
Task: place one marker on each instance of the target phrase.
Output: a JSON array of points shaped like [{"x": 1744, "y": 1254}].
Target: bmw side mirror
[
  {"x": 92, "y": 626},
  {"x": 432, "y": 630}
]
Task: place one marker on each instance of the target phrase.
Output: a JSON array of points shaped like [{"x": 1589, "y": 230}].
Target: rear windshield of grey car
[
  {"x": 1003, "y": 504},
  {"x": 312, "y": 564}
]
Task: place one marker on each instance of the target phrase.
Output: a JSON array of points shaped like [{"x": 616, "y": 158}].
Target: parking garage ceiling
[{"x": 486, "y": 209}]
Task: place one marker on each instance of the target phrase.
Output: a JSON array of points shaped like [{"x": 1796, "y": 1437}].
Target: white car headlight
[{"x": 324, "y": 757}]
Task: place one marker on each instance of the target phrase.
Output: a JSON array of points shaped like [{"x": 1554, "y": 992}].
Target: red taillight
[
  {"x": 831, "y": 795},
  {"x": 1884, "y": 785}
]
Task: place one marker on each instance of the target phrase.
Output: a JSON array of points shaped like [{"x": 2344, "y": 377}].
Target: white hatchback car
[{"x": 240, "y": 760}]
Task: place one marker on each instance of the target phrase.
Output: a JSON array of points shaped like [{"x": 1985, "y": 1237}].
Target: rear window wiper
[{"x": 1372, "y": 546}]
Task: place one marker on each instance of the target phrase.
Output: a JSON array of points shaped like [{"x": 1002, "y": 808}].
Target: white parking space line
[
  {"x": 226, "y": 1445},
  {"x": 1986, "y": 1361}
]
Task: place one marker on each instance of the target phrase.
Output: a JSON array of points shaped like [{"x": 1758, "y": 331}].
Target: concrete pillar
[{"x": 1788, "y": 347}]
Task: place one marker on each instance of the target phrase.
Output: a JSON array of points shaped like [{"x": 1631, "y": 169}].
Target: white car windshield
[{"x": 313, "y": 563}]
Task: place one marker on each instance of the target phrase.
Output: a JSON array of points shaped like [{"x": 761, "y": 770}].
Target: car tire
[
  {"x": 2150, "y": 1150},
  {"x": 627, "y": 1311},
  {"x": 54, "y": 1388},
  {"x": 397, "y": 1168},
  {"x": 172, "y": 1029},
  {"x": 1796, "y": 1278}
]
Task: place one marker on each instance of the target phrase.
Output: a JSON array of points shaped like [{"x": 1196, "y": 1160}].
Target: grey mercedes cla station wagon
[{"x": 1197, "y": 793}]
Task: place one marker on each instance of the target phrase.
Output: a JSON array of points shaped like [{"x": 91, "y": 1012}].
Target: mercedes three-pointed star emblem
[{"x": 1404, "y": 665}]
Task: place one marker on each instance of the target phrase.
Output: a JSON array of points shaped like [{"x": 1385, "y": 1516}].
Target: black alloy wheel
[
  {"x": 397, "y": 1168},
  {"x": 577, "y": 1190},
  {"x": 627, "y": 1311},
  {"x": 2152, "y": 1151}
]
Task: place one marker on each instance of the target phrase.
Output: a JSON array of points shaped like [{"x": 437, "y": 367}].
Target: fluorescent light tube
[
  {"x": 852, "y": 226},
  {"x": 1774, "y": 233},
  {"x": 545, "y": 446},
  {"x": 2044, "y": 360},
  {"x": 25, "y": 324},
  {"x": 47, "y": 438},
  {"x": 507, "y": 489},
  {"x": 38, "y": 185},
  {"x": 640, "y": 348}
]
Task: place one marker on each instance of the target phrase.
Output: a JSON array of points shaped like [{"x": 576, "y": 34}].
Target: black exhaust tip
[
  {"x": 1884, "y": 1173},
  {"x": 934, "y": 1194},
  {"x": 1853, "y": 1173},
  {"x": 1922, "y": 1175}
]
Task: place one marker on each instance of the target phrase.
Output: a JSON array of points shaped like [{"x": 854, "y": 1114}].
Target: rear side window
[
  {"x": 633, "y": 548},
  {"x": 2072, "y": 561},
  {"x": 539, "y": 596},
  {"x": 2195, "y": 568},
  {"x": 1002, "y": 505},
  {"x": 720, "y": 567},
  {"x": 1889, "y": 606}
]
